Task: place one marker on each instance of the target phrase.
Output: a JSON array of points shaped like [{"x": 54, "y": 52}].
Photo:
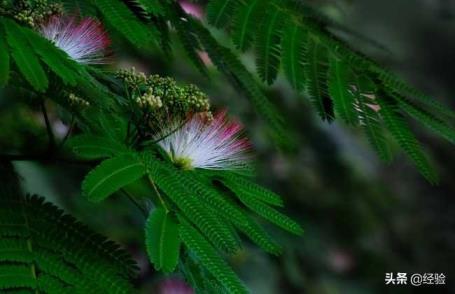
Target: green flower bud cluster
[
  {"x": 195, "y": 98},
  {"x": 31, "y": 13},
  {"x": 77, "y": 101},
  {"x": 159, "y": 100},
  {"x": 156, "y": 92},
  {"x": 132, "y": 78},
  {"x": 148, "y": 100}
]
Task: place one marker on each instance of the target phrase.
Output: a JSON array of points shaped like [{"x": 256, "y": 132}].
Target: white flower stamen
[
  {"x": 84, "y": 41},
  {"x": 198, "y": 144}
]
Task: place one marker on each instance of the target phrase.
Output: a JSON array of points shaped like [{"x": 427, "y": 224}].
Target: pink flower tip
[{"x": 85, "y": 40}]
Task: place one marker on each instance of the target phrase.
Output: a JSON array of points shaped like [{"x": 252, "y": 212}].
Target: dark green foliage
[
  {"x": 257, "y": 198},
  {"x": 316, "y": 79},
  {"x": 95, "y": 147},
  {"x": 195, "y": 210},
  {"x": 151, "y": 6},
  {"x": 245, "y": 188},
  {"x": 400, "y": 130},
  {"x": 316, "y": 61},
  {"x": 294, "y": 56},
  {"x": 268, "y": 45},
  {"x": 428, "y": 119},
  {"x": 24, "y": 58},
  {"x": 341, "y": 92},
  {"x": 29, "y": 52},
  {"x": 85, "y": 8},
  {"x": 195, "y": 37},
  {"x": 229, "y": 64},
  {"x": 370, "y": 118},
  {"x": 244, "y": 22},
  {"x": 111, "y": 175},
  {"x": 123, "y": 20},
  {"x": 109, "y": 125},
  {"x": 4, "y": 61},
  {"x": 162, "y": 240},
  {"x": 56, "y": 59},
  {"x": 220, "y": 11},
  {"x": 206, "y": 211},
  {"x": 196, "y": 198},
  {"x": 43, "y": 249},
  {"x": 211, "y": 260}
]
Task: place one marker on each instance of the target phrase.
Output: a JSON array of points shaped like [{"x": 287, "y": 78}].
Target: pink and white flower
[
  {"x": 85, "y": 41},
  {"x": 209, "y": 145}
]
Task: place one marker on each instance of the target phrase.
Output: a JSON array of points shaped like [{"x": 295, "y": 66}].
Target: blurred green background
[{"x": 362, "y": 218}]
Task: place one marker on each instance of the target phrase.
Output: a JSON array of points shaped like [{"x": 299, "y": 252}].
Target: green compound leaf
[
  {"x": 400, "y": 130},
  {"x": 44, "y": 250},
  {"x": 95, "y": 147},
  {"x": 152, "y": 6},
  {"x": 25, "y": 59},
  {"x": 268, "y": 48},
  {"x": 339, "y": 89},
  {"x": 316, "y": 69},
  {"x": 293, "y": 56},
  {"x": 4, "y": 62},
  {"x": 123, "y": 20},
  {"x": 244, "y": 24},
  {"x": 210, "y": 259},
  {"x": 162, "y": 240},
  {"x": 57, "y": 60},
  {"x": 219, "y": 12},
  {"x": 111, "y": 175}
]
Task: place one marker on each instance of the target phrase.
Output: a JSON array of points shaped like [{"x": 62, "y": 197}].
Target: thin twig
[
  {"x": 48, "y": 126},
  {"x": 62, "y": 143},
  {"x": 131, "y": 198},
  {"x": 43, "y": 158}
]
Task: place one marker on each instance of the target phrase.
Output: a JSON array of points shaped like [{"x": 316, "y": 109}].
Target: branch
[
  {"x": 44, "y": 158},
  {"x": 50, "y": 134}
]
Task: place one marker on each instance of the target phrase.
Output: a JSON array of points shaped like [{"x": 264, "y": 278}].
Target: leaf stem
[
  {"x": 131, "y": 198},
  {"x": 157, "y": 192}
]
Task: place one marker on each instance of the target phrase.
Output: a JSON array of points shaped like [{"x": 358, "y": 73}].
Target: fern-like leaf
[
  {"x": 293, "y": 55},
  {"x": 219, "y": 12},
  {"x": 272, "y": 215},
  {"x": 196, "y": 210},
  {"x": 118, "y": 15},
  {"x": 369, "y": 117},
  {"x": 210, "y": 259},
  {"x": 401, "y": 132},
  {"x": 231, "y": 66},
  {"x": 152, "y": 6},
  {"x": 316, "y": 71},
  {"x": 36, "y": 256},
  {"x": 268, "y": 49},
  {"x": 240, "y": 186},
  {"x": 213, "y": 198},
  {"x": 340, "y": 91},
  {"x": 428, "y": 119},
  {"x": 244, "y": 23}
]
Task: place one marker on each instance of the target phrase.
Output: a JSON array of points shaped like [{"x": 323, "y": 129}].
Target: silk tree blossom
[
  {"x": 209, "y": 145},
  {"x": 85, "y": 41}
]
